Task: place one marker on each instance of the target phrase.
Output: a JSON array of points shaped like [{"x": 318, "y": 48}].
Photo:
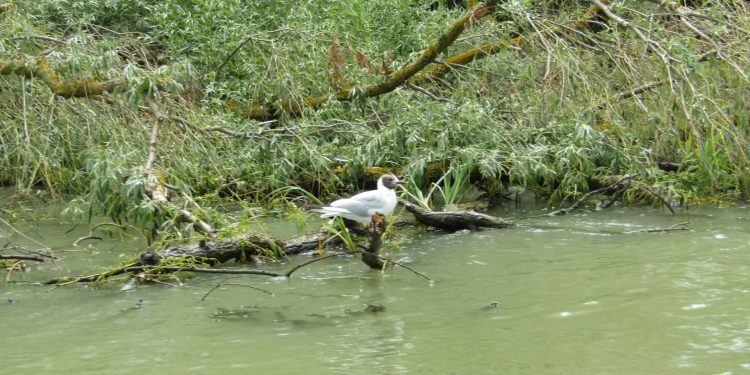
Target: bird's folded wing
[{"x": 363, "y": 204}]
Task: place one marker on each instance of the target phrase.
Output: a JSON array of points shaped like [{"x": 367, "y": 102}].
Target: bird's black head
[{"x": 390, "y": 181}]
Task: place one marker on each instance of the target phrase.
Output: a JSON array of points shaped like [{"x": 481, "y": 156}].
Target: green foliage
[{"x": 546, "y": 114}]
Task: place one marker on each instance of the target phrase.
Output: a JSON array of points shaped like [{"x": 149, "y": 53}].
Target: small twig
[
  {"x": 222, "y": 283},
  {"x": 62, "y": 281},
  {"x": 362, "y": 249},
  {"x": 424, "y": 91},
  {"x": 235, "y": 50},
  {"x": 122, "y": 227},
  {"x": 86, "y": 238},
  {"x": 157, "y": 189},
  {"x": 651, "y": 44},
  {"x": 71, "y": 228},
  {"x": 638, "y": 90},
  {"x": 24, "y": 236},
  {"x": 289, "y": 274},
  {"x": 202, "y": 270}
]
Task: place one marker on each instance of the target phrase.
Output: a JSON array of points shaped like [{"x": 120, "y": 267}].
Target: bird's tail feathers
[{"x": 329, "y": 211}]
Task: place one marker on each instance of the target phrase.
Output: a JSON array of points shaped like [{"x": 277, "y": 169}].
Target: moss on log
[{"x": 40, "y": 69}]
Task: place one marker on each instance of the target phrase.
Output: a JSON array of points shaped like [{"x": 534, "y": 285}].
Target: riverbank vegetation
[{"x": 150, "y": 112}]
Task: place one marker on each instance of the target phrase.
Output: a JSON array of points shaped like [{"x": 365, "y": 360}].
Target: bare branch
[
  {"x": 651, "y": 44},
  {"x": 154, "y": 134},
  {"x": 24, "y": 257},
  {"x": 40, "y": 37}
]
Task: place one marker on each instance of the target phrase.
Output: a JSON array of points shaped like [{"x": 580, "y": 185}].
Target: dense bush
[{"x": 549, "y": 112}]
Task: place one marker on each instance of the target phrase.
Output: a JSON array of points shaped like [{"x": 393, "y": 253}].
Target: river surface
[{"x": 577, "y": 294}]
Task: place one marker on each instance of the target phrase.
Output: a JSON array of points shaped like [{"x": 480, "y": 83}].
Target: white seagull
[{"x": 362, "y": 206}]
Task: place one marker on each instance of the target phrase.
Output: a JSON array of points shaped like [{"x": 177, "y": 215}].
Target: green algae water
[{"x": 578, "y": 294}]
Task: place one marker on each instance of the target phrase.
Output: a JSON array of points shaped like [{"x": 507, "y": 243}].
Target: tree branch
[
  {"x": 396, "y": 79},
  {"x": 24, "y": 257},
  {"x": 81, "y": 88}
]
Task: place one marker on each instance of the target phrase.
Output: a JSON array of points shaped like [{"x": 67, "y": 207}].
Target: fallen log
[
  {"x": 210, "y": 252},
  {"x": 455, "y": 220}
]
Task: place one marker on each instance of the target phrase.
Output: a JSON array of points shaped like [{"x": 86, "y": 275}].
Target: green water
[{"x": 566, "y": 295}]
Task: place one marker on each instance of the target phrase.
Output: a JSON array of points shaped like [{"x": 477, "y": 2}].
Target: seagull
[{"x": 362, "y": 206}]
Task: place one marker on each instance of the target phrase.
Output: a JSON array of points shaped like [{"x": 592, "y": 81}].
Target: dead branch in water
[
  {"x": 455, "y": 220},
  {"x": 673, "y": 228},
  {"x": 624, "y": 181},
  {"x": 24, "y": 257}
]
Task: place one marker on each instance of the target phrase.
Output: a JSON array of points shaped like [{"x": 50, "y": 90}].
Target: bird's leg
[{"x": 374, "y": 231}]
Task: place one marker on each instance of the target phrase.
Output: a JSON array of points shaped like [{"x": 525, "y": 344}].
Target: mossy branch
[
  {"x": 41, "y": 69},
  {"x": 294, "y": 108},
  {"x": 455, "y": 220},
  {"x": 462, "y": 59}
]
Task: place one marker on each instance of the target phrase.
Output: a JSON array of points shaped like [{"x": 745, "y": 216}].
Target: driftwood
[{"x": 455, "y": 220}]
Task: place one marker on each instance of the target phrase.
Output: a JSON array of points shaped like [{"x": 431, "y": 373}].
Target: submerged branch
[
  {"x": 616, "y": 188},
  {"x": 24, "y": 257},
  {"x": 622, "y": 182},
  {"x": 133, "y": 267},
  {"x": 673, "y": 228}
]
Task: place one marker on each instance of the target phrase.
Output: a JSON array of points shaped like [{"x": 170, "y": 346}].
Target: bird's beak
[{"x": 399, "y": 182}]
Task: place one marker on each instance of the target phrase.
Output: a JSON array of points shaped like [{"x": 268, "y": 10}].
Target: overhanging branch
[
  {"x": 40, "y": 69},
  {"x": 396, "y": 79}
]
